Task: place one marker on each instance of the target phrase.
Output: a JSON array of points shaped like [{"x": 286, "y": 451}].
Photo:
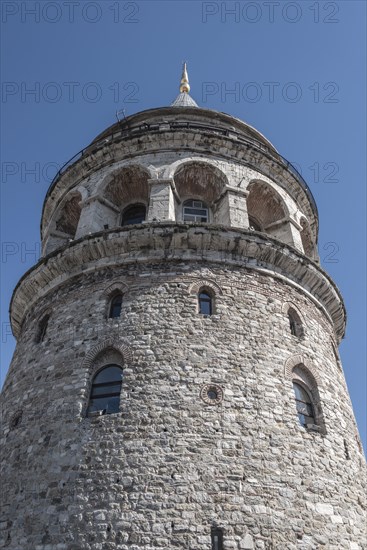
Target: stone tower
[{"x": 176, "y": 381}]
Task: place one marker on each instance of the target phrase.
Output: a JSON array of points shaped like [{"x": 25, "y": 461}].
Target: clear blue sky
[{"x": 298, "y": 71}]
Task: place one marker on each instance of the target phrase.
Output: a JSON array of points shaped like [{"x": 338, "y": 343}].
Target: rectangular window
[
  {"x": 195, "y": 211},
  {"x": 217, "y": 539}
]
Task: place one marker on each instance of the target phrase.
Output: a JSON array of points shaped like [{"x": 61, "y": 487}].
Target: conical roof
[{"x": 184, "y": 99}]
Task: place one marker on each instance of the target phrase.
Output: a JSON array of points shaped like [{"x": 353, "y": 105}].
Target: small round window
[{"x": 211, "y": 394}]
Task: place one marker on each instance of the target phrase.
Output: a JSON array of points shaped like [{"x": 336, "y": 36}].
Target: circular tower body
[{"x": 176, "y": 381}]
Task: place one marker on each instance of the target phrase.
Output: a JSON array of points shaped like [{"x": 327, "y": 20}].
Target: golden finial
[{"x": 184, "y": 86}]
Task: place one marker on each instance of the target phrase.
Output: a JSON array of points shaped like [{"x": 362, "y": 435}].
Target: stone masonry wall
[{"x": 169, "y": 466}]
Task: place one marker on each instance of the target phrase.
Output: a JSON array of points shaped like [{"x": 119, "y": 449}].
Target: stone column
[
  {"x": 286, "y": 230},
  {"x": 97, "y": 212},
  {"x": 162, "y": 200},
  {"x": 232, "y": 208}
]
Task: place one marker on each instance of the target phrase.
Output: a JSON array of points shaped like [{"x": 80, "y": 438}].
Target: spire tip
[{"x": 184, "y": 84}]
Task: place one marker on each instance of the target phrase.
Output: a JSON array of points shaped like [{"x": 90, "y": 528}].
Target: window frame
[
  {"x": 210, "y": 300},
  {"x": 301, "y": 371},
  {"x": 310, "y": 404},
  {"x": 217, "y": 532},
  {"x": 203, "y": 206},
  {"x": 114, "y": 296},
  {"x": 93, "y": 385}
]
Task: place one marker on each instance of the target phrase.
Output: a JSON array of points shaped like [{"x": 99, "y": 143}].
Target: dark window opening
[
  {"x": 217, "y": 539},
  {"x": 212, "y": 393},
  {"x": 16, "y": 419},
  {"x": 106, "y": 389},
  {"x": 195, "y": 211},
  {"x": 205, "y": 303},
  {"x": 254, "y": 226},
  {"x": 292, "y": 325},
  {"x": 133, "y": 214},
  {"x": 295, "y": 324},
  {"x": 115, "y": 306},
  {"x": 303, "y": 405},
  {"x": 42, "y": 329}
]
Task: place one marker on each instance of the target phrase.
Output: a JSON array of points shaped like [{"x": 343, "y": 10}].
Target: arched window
[
  {"x": 305, "y": 381},
  {"x": 295, "y": 323},
  {"x": 304, "y": 405},
  {"x": 205, "y": 303},
  {"x": 217, "y": 538},
  {"x": 133, "y": 214},
  {"x": 105, "y": 392},
  {"x": 199, "y": 185},
  {"x": 115, "y": 306},
  {"x": 42, "y": 329},
  {"x": 195, "y": 211}
]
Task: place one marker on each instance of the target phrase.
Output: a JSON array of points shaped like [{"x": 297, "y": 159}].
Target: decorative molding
[
  {"x": 303, "y": 362},
  {"x": 295, "y": 224},
  {"x": 107, "y": 344},
  {"x": 117, "y": 286},
  {"x": 236, "y": 191},
  {"x": 172, "y": 169},
  {"x": 290, "y": 305},
  {"x": 45, "y": 311},
  {"x": 172, "y": 242},
  {"x": 205, "y": 283},
  {"x": 217, "y": 390}
]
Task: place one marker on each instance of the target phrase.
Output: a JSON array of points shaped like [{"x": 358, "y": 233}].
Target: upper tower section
[
  {"x": 180, "y": 163},
  {"x": 174, "y": 183}
]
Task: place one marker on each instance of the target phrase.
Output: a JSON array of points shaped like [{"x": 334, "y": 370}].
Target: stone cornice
[
  {"x": 236, "y": 191},
  {"x": 157, "y": 242},
  {"x": 217, "y": 117}
]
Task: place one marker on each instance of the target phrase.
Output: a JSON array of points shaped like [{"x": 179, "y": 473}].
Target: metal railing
[{"x": 129, "y": 132}]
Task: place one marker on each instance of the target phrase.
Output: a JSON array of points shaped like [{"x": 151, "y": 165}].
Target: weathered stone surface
[
  {"x": 245, "y": 463},
  {"x": 173, "y": 463}
]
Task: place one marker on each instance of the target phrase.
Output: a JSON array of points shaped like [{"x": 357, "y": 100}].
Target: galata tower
[{"x": 176, "y": 382}]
